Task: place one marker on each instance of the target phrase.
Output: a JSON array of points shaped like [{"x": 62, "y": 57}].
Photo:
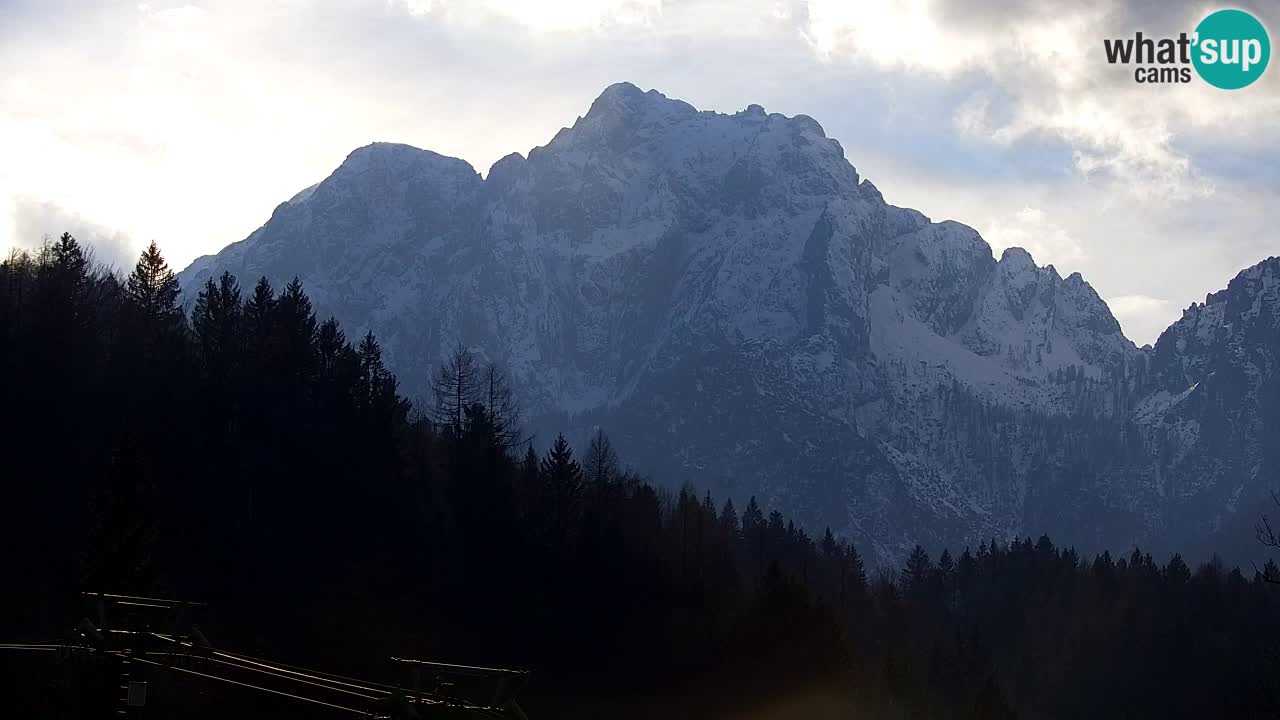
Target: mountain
[{"x": 738, "y": 308}]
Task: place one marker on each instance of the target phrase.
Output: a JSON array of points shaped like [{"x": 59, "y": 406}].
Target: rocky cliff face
[{"x": 738, "y": 308}]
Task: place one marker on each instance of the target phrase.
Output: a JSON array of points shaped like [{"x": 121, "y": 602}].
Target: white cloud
[
  {"x": 973, "y": 116},
  {"x": 1136, "y": 304},
  {"x": 34, "y": 222},
  {"x": 187, "y": 122},
  {"x": 890, "y": 33},
  {"x": 1141, "y": 316},
  {"x": 543, "y": 15},
  {"x": 1052, "y": 66},
  {"x": 1030, "y": 229}
]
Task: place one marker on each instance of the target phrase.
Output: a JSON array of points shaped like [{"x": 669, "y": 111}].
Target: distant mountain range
[{"x": 737, "y": 308}]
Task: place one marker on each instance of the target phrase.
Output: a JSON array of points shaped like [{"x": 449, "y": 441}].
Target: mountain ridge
[{"x": 725, "y": 291}]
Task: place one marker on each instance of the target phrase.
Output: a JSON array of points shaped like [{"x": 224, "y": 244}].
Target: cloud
[
  {"x": 973, "y": 116},
  {"x": 1141, "y": 315},
  {"x": 1046, "y": 60},
  {"x": 1030, "y": 229},
  {"x": 561, "y": 16},
  {"x": 189, "y": 121},
  {"x": 34, "y": 222}
]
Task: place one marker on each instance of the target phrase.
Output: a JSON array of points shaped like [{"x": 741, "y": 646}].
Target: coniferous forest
[{"x": 249, "y": 454}]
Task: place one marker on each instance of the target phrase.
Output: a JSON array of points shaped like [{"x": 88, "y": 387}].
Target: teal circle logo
[{"x": 1231, "y": 49}]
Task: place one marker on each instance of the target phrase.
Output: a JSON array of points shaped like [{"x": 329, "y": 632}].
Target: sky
[{"x": 188, "y": 122}]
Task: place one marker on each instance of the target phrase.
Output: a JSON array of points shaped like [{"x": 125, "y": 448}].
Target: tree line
[{"x": 252, "y": 456}]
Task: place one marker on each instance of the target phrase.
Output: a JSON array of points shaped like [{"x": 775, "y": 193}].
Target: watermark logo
[
  {"x": 1229, "y": 49},
  {"x": 1234, "y": 49}
]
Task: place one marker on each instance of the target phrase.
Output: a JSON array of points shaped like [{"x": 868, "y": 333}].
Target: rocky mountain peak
[
  {"x": 1233, "y": 328},
  {"x": 1016, "y": 261},
  {"x": 380, "y": 165},
  {"x": 731, "y": 301}
]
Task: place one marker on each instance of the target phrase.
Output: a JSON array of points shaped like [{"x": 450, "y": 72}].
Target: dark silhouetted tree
[
  {"x": 916, "y": 574},
  {"x": 152, "y": 289},
  {"x": 458, "y": 384},
  {"x": 215, "y": 326},
  {"x": 560, "y": 476}
]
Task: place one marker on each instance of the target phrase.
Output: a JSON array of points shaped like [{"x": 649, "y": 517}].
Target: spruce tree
[
  {"x": 215, "y": 326},
  {"x": 532, "y": 512},
  {"x": 298, "y": 329},
  {"x": 828, "y": 544},
  {"x": 857, "y": 571},
  {"x": 260, "y": 306},
  {"x": 1176, "y": 572},
  {"x": 915, "y": 574},
  {"x": 63, "y": 281},
  {"x": 376, "y": 395},
  {"x": 61, "y": 339},
  {"x": 729, "y": 522},
  {"x": 755, "y": 533},
  {"x": 152, "y": 289},
  {"x": 333, "y": 352},
  {"x": 561, "y": 478},
  {"x": 945, "y": 564}
]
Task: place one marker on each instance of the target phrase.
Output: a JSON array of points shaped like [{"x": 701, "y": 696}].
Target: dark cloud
[{"x": 1173, "y": 16}]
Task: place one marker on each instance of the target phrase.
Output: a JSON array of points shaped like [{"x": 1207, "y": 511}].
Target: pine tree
[
  {"x": 60, "y": 343},
  {"x": 68, "y": 257},
  {"x": 829, "y": 545},
  {"x": 561, "y": 479},
  {"x": 152, "y": 289},
  {"x": 215, "y": 326},
  {"x": 945, "y": 564},
  {"x": 686, "y": 509},
  {"x": 729, "y": 522},
  {"x": 63, "y": 281},
  {"x": 482, "y": 492},
  {"x": 755, "y": 533},
  {"x": 915, "y": 574},
  {"x": 752, "y": 516},
  {"x": 945, "y": 580},
  {"x": 708, "y": 510},
  {"x": 259, "y": 315},
  {"x": 153, "y": 349},
  {"x": 298, "y": 329},
  {"x": 1176, "y": 572},
  {"x": 529, "y": 493},
  {"x": 376, "y": 394},
  {"x": 776, "y": 533},
  {"x": 857, "y": 572},
  {"x": 333, "y": 352}
]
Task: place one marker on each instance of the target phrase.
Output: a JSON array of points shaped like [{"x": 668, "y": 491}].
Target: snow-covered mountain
[{"x": 738, "y": 308}]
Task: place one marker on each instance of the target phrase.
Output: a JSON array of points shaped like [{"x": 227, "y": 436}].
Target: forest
[{"x": 251, "y": 455}]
